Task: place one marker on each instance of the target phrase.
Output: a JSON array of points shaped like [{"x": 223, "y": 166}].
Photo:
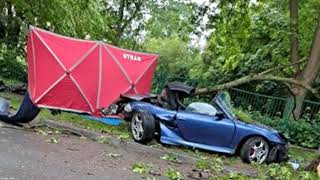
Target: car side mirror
[{"x": 220, "y": 115}]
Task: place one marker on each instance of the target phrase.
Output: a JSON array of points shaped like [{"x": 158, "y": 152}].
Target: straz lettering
[{"x": 131, "y": 57}]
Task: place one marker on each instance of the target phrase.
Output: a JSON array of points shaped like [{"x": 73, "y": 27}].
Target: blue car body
[{"x": 204, "y": 131}]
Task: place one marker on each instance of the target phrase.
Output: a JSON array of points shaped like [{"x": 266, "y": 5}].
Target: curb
[
  {"x": 132, "y": 146},
  {"x": 95, "y": 136}
]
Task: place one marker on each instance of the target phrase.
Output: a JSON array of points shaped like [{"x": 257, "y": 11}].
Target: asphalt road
[{"x": 27, "y": 155}]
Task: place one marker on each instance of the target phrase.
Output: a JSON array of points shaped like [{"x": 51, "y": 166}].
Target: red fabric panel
[
  {"x": 113, "y": 80},
  {"x": 87, "y": 76},
  {"x": 143, "y": 86},
  {"x": 65, "y": 95},
  {"x": 133, "y": 62},
  {"x": 31, "y": 74},
  {"x": 130, "y": 91},
  {"x": 112, "y": 64},
  {"x": 68, "y": 50},
  {"x": 48, "y": 70}
]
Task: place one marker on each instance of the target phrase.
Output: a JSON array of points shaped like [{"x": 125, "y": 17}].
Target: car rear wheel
[
  {"x": 143, "y": 127},
  {"x": 255, "y": 150}
]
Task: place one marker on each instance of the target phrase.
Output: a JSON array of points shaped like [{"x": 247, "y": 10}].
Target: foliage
[
  {"x": 243, "y": 116},
  {"x": 212, "y": 164},
  {"x": 120, "y": 131},
  {"x": 47, "y": 131},
  {"x": 173, "y": 174},
  {"x": 249, "y": 37},
  {"x": 302, "y": 154},
  {"x": 202, "y": 163},
  {"x": 126, "y": 23},
  {"x": 169, "y": 19},
  {"x": 140, "y": 168},
  {"x": 303, "y": 132},
  {"x": 234, "y": 175},
  {"x": 176, "y": 58},
  {"x": 12, "y": 64},
  {"x": 170, "y": 157},
  {"x": 281, "y": 172}
]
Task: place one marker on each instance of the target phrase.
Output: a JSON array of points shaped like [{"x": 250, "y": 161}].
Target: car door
[{"x": 205, "y": 129}]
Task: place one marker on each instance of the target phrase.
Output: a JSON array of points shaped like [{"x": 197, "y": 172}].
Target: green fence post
[{"x": 287, "y": 113}]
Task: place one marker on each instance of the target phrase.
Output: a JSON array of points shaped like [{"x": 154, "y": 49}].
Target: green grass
[
  {"x": 120, "y": 131},
  {"x": 302, "y": 154},
  {"x": 141, "y": 168},
  {"x": 296, "y": 153}
]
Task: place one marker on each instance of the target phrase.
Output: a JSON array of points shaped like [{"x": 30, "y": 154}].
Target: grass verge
[{"x": 303, "y": 155}]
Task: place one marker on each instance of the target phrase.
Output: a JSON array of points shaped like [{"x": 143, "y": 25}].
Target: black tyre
[
  {"x": 143, "y": 127},
  {"x": 255, "y": 150}
]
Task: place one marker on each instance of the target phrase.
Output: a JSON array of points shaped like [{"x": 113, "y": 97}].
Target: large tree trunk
[
  {"x": 299, "y": 95},
  {"x": 309, "y": 72},
  {"x": 299, "y": 84}
]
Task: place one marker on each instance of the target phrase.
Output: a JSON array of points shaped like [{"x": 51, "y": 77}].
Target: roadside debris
[
  {"x": 294, "y": 164},
  {"x": 41, "y": 132},
  {"x": 171, "y": 158},
  {"x": 73, "y": 149},
  {"x": 114, "y": 155},
  {"x": 210, "y": 165},
  {"x": 141, "y": 168},
  {"x": 314, "y": 166},
  {"x": 103, "y": 140},
  {"x": 52, "y": 140},
  {"x": 173, "y": 174}
]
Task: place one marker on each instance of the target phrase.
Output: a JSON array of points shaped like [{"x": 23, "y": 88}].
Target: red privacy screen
[{"x": 83, "y": 76}]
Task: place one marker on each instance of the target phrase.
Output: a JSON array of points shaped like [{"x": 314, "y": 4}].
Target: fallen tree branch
[{"x": 255, "y": 77}]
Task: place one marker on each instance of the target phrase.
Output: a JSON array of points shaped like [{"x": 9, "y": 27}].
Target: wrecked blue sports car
[{"x": 210, "y": 126}]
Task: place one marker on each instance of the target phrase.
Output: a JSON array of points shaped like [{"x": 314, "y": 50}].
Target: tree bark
[
  {"x": 294, "y": 51},
  {"x": 299, "y": 95},
  {"x": 308, "y": 74},
  {"x": 256, "y": 77},
  {"x": 124, "y": 20},
  {"x": 314, "y": 165}
]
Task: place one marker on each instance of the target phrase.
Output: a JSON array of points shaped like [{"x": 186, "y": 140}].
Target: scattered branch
[{"x": 256, "y": 77}]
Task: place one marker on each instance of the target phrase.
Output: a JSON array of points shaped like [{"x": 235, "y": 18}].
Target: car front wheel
[
  {"x": 143, "y": 127},
  {"x": 255, "y": 150}
]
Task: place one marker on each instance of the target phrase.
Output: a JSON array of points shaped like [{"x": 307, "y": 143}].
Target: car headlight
[
  {"x": 127, "y": 108},
  {"x": 113, "y": 109}
]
